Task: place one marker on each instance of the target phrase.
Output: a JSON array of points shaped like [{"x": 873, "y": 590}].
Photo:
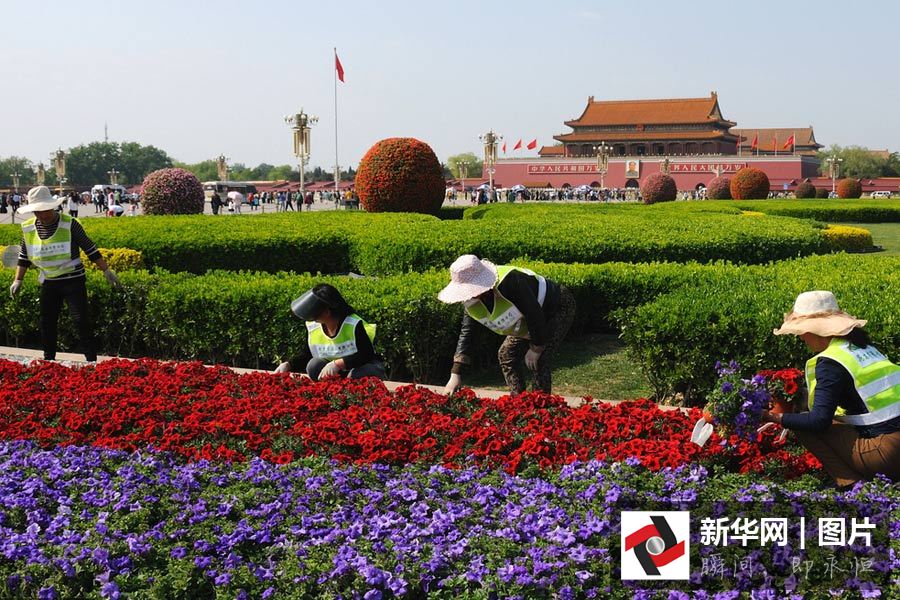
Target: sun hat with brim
[
  {"x": 469, "y": 277},
  {"x": 40, "y": 198},
  {"x": 818, "y": 312}
]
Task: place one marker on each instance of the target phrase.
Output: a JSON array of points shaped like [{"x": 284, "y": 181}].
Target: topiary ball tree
[
  {"x": 805, "y": 190},
  {"x": 719, "y": 188},
  {"x": 172, "y": 192},
  {"x": 821, "y": 192},
  {"x": 658, "y": 187},
  {"x": 849, "y": 188},
  {"x": 400, "y": 175},
  {"x": 749, "y": 184}
]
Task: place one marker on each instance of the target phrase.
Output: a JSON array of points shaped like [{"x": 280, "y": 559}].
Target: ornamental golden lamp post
[
  {"x": 300, "y": 125},
  {"x": 490, "y": 140},
  {"x": 222, "y": 167},
  {"x": 59, "y": 161},
  {"x": 40, "y": 174},
  {"x": 602, "y": 153}
]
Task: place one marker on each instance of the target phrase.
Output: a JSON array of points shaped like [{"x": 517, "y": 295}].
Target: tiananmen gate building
[{"x": 688, "y": 136}]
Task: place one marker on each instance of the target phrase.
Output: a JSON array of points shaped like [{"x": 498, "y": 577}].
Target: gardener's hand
[
  {"x": 284, "y": 367},
  {"x": 453, "y": 384},
  {"x": 771, "y": 420},
  {"x": 532, "y": 357},
  {"x": 330, "y": 370},
  {"x": 14, "y": 288},
  {"x": 112, "y": 279}
]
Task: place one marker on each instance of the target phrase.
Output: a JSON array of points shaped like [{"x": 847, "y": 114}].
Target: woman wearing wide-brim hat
[
  {"x": 532, "y": 312},
  {"x": 853, "y": 425},
  {"x": 53, "y": 242}
]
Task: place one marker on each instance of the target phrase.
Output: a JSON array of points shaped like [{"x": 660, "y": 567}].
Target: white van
[
  {"x": 880, "y": 194},
  {"x": 101, "y": 188}
]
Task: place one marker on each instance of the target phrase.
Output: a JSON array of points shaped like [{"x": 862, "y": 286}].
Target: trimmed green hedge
[
  {"x": 730, "y": 312},
  {"x": 330, "y": 242},
  {"x": 244, "y": 319},
  {"x": 677, "y": 319}
]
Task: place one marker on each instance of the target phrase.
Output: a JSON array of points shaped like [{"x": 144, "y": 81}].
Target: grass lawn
[
  {"x": 596, "y": 365},
  {"x": 886, "y": 235}
]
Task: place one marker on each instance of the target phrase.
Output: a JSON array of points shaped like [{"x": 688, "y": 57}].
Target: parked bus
[{"x": 223, "y": 187}]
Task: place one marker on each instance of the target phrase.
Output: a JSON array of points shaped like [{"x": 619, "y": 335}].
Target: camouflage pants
[{"x": 512, "y": 351}]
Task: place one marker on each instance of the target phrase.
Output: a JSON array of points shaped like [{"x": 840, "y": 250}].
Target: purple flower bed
[{"x": 80, "y": 522}]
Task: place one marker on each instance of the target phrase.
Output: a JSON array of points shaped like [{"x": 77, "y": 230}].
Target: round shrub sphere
[
  {"x": 658, "y": 187},
  {"x": 400, "y": 175},
  {"x": 172, "y": 192},
  {"x": 805, "y": 190},
  {"x": 719, "y": 188},
  {"x": 821, "y": 192},
  {"x": 750, "y": 184},
  {"x": 849, "y": 188}
]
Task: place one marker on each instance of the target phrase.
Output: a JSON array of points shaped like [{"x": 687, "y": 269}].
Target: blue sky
[{"x": 203, "y": 78}]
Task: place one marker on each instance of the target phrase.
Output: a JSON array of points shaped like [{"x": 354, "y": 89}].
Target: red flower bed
[{"x": 213, "y": 413}]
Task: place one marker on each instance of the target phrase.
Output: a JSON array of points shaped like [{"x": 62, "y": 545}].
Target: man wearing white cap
[
  {"x": 853, "y": 425},
  {"x": 533, "y": 313},
  {"x": 52, "y": 242}
]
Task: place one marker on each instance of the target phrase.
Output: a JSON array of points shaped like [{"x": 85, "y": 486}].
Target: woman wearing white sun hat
[
  {"x": 853, "y": 425},
  {"x": 533, "y": 313},
  {"x": 52, "y": 242}
]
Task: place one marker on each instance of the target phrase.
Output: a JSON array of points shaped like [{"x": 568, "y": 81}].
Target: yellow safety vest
[
  {"x": 505, "y": 319},
  {"x": 339, "y": 346},
  {"x": 876, "y": 379},
  {"x": 53, "y": 256}
]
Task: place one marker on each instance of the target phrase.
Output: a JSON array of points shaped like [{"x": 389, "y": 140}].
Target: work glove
[
  {"x": 112, "y": 279},
  {"x": 329, "y": 370},
  {"x": 766, "y": 426},
  {"x": 532, "y": 357},
  {"x": 284, "y": 367},
  {"x": 453, "y": 384},
  {"x": 14, "y": 288},
  {"x": 702, "y": 432}
]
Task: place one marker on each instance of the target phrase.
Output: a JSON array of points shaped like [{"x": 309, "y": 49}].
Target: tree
[
  {"x": 205, "y": 170},
  {"x": 891, "y": 167},
  {"x": 89, "y": 164},
  {"x": 287, "y": 172},
  {"x": 474, "y": 166},
  {"x": 856, "y": 161},
  {"x": 16, "y": 164}
]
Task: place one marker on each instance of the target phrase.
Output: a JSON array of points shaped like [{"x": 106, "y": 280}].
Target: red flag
[
  {"x": 532, "y": 144},
  {"x": 755, "y": 142},
  {"x": 504, "y": 147},
  {"x": 789, "y": 142},
  {"x": 339, "y": 67},
  {"x": 518, "y": 144}
]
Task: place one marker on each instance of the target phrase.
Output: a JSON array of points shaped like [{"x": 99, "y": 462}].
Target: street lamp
[
  {"x": 834, "y": 165},
  {"x": 222, "y": 167},
  {"x": 113, "y": 177},
  {"x": 40, "y": 174},
  {"x": 602, "y": 153},
  {"x": 664, "y": 169},
  {"x": 59, "y": 161},
  {"x": 463, "y": 170},
  {"x": 490, "y": 140},
  {"x": 15, "y": 177},
  {"x": 300, "y": 124}
]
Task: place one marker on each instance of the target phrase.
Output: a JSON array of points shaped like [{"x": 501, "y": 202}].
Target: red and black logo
[{"x": 654, "y": 545}]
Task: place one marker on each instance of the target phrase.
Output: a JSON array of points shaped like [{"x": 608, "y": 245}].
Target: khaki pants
[{"x": 849, "y": 458}]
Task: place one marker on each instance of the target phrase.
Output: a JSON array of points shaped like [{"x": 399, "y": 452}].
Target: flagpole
[
  {"x": 337, "y": 169},
  {"x": 775, "y": 145}
]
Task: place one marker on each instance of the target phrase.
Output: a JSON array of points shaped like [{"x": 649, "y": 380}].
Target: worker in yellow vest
[
  {"x": 532, "y": 312},
  {"x": 52, "y": 242},
  {"x": 853, "y": 424},
  {"x": 340, "y": 342}
]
